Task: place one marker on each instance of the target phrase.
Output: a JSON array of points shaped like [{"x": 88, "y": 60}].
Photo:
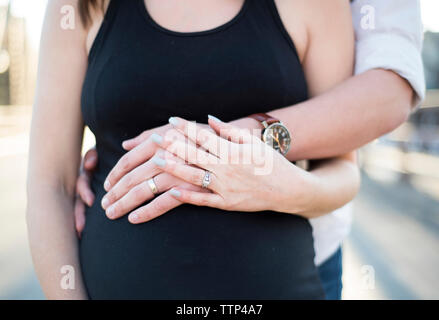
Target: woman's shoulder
[
  {"x": 64, "y": 26},
  {"x": 61, "y": 25},
  {"x": 63, "y": 21}
]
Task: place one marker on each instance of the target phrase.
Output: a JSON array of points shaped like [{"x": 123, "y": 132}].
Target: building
[{"x": 15, "y": 88}]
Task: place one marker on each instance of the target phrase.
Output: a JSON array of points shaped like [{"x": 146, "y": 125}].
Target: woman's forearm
[
  {"x": 53, "y": 242},
  {"x": 345, "y": 118}
]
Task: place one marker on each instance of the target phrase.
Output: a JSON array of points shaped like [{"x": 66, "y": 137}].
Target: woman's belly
[{"x": 199, "y": 253}]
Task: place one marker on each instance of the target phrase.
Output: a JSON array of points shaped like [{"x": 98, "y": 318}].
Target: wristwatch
[{"x": 275, "y": 134}]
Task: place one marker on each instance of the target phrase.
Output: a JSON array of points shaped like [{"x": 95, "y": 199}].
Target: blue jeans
[{"x": 330, "y": 275}]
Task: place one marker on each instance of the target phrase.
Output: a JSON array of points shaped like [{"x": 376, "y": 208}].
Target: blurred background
[{"x": 393, "y": 249}]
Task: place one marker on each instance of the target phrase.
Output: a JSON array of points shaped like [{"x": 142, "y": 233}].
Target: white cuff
[{"x": 392, "y": 52}]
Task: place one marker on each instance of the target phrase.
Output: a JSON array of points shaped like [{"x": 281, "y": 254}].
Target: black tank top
[{"x": 140, "y": 74}]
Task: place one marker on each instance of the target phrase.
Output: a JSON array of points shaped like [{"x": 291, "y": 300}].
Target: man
[{"x": 387, "y": 86}]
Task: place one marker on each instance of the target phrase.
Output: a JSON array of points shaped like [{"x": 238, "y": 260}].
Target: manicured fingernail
[
  {"x": 173, "y": 121},
  {"x": 159, "y": 161},
  {"x": 134, "y": 217},
  {"x": 175, "y": 193},
  {"x": 213, "y": 118},
  {"x": 157, "y": 138},
  {"x": 110, "y": 212},
  {"x": 105, "y": 203},
  {"x": 107, "y": 185}
]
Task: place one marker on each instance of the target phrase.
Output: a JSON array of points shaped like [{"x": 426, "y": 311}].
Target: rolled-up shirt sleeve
[{"x": 389, "y": 36}]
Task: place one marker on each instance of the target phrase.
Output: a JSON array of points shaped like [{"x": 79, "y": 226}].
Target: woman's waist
[{"x": 189, "y": 226}]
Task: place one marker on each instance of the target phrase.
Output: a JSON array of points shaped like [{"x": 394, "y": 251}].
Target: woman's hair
[{"x": 84, "y": 9}]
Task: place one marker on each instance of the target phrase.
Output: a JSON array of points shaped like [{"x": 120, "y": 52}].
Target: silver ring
[
  {"x": 206, "y": 179},
  {"x": 153, "y": 186}
]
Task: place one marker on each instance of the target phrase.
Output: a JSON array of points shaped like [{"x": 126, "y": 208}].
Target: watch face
[{"x": 278, "y": 137}]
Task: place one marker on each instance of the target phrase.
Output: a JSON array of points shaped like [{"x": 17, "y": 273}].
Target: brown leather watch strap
[{"x": 263, "y": 117}]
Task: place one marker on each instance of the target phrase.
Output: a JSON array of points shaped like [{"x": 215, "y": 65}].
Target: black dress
[{"x": 139, "y": 75}]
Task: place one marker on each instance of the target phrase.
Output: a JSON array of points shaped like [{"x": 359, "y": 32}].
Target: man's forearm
[{"x": 345, "y": 118}]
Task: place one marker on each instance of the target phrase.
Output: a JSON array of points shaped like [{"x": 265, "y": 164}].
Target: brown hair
[{"x": 84, "y": 9}]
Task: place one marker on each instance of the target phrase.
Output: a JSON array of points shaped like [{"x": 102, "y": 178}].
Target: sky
[{"x": 33, "y": 11}]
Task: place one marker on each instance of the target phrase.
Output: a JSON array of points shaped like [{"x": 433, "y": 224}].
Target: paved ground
[
  {"x": 392, "y": 252},
  {"x": 396, "y": 232}
]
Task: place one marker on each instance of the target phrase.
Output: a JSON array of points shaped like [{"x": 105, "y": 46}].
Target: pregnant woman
[{"x": 129, "y": 67}]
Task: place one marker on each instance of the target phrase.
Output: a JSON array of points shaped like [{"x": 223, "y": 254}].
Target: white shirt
[{"x": 389, "y": 36}]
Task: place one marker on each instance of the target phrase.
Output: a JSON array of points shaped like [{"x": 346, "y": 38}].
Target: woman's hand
[
  {"x": 127, "y": 183},
  {"x": 245, "y": 173},
  {"x": 84, "y": 194}
]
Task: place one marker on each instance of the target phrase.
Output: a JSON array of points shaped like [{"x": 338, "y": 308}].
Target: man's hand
[{"x": 85, "y": 195}]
